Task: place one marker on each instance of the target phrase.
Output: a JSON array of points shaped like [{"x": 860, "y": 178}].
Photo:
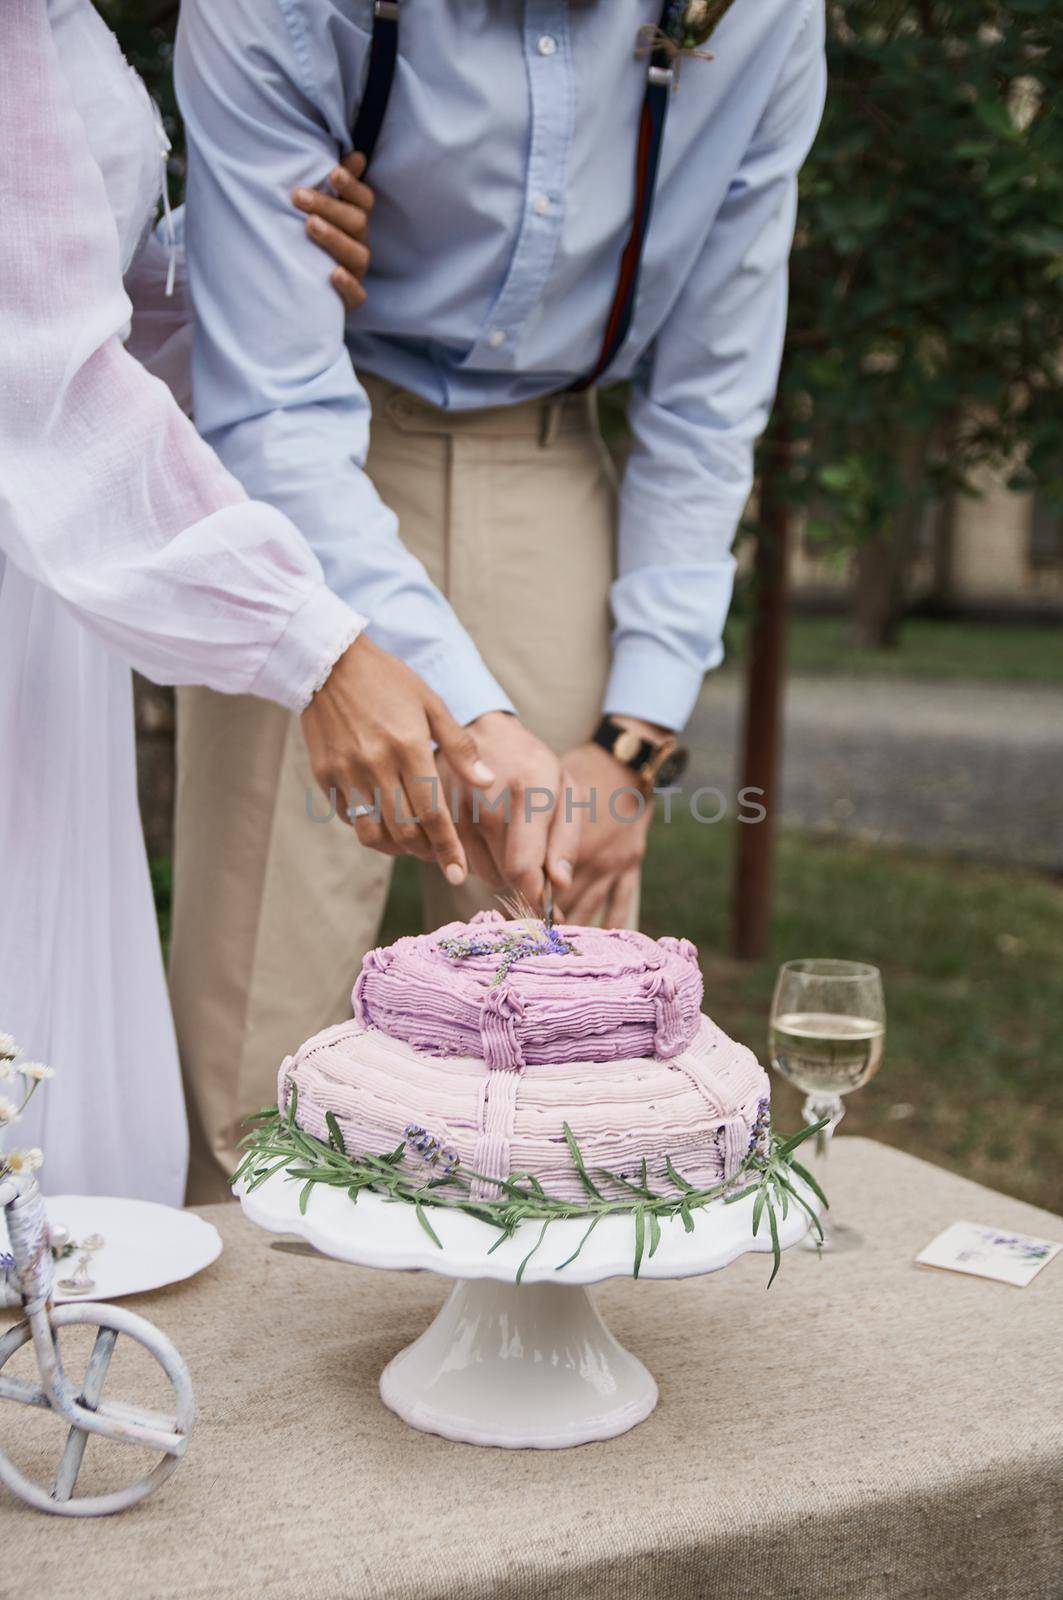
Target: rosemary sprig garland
[{"x": 275, "y": 1142}]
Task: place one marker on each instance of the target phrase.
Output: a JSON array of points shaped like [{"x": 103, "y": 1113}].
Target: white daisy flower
[
  {"x": 8, "y": 1111},
  {"x": 24, "y": 1161},
  {"x": 36, "y": 1070},
  {"x": 8, "y": 1047}
]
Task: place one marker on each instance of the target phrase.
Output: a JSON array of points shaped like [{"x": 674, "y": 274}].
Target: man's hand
[
  {"x": 515, "y": 830},
  {"x": 614, "y": 836},
  {"x": 368, "y": 730},
  {"x": 339, "y": 224}
]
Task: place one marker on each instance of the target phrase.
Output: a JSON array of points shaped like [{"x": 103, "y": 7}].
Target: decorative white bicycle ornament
[{"x": 81, "y": 1404}]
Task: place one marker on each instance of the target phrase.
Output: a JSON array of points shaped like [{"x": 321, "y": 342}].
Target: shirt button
[
  {"x": 547, "y": 44},
  {"x": 495, "y": 338},
  {"x": 541, "y": 204}
]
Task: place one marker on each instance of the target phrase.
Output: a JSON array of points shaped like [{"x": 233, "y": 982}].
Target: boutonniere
[{"x": 686, "y": 26}]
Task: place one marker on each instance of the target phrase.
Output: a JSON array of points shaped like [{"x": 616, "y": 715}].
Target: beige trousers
[{"x": 512, "y": 512}]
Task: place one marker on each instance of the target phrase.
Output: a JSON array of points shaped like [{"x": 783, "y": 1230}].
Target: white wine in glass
[{"x": 828, "y": 1035}]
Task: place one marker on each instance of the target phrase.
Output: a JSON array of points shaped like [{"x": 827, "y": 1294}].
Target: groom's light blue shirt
[{"x": 504, "y": 179}]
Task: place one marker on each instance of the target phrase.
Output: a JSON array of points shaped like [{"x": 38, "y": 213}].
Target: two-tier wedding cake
[{"x": 476, "y": 1046}]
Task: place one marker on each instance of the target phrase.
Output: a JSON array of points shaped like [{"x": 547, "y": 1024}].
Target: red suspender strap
[{"x": 647, "y": 158}]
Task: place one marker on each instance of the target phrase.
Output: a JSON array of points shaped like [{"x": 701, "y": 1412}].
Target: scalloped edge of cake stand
[
  {"x": 532, "y": 1366},
  {"x": 374, "y": 1232}
]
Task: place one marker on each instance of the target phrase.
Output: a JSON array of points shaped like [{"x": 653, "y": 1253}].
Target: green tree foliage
[
  {"x": 145, "y": 30},
  {"x": 926, "y": 327}
]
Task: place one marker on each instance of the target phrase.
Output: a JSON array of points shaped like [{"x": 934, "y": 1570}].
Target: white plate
[{"x": 146, "y": 1245}]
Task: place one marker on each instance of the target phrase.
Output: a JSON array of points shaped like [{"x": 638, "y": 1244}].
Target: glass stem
[{"x": 815, "y": 1108}]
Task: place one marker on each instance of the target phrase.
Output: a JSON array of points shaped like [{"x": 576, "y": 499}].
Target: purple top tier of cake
[{"x": 611, "y": 995}]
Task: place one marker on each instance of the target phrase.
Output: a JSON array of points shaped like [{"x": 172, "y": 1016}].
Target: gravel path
[{"x": 972, "y": 768}]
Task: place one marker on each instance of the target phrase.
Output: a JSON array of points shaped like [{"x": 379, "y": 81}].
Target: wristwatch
[{"x": 656, "y": 763}]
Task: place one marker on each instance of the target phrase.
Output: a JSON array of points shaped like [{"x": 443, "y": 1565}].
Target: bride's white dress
[{"x": 122, "y": 540}]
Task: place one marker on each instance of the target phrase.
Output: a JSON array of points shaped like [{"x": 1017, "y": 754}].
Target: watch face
[{"x": 671, "y": 768}]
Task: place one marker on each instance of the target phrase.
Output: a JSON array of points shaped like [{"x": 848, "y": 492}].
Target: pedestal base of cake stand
[
  {"x": 523, "y": 1368},
  {"x": 528, "y": 1366}
]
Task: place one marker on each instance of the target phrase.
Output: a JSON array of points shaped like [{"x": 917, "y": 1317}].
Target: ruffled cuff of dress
[{"x": 308, "y": 649}]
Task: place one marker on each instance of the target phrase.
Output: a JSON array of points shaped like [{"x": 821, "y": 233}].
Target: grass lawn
[
  {"x": 972, "y": 960},
  {"x": 977, "y": 651}
]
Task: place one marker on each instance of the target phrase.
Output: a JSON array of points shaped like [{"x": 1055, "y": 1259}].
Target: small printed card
[{"x": 989, "y": 1253}]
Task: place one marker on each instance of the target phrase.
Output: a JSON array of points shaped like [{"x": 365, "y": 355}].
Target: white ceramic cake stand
[{"x": 528, "y": 1366}]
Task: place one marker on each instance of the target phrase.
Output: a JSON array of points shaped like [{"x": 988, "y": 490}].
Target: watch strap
[
  {"x": 626, "y": 746},
  {"x": 633, "y": 749}
]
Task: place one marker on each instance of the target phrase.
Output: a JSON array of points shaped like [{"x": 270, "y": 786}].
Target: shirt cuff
[
  {"x": 650, "y": 681},
  {"x": 459, "y": 677},
  {"x": 308, "y": 649}
]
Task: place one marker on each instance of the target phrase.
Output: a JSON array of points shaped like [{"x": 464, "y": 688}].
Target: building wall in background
[{"x": 1006, "y": 553}]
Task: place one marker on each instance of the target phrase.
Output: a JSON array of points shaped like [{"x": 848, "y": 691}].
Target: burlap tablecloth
[{"x": 867, "y": 1428}]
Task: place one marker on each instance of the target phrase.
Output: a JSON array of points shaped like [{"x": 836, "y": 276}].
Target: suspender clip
[{"x": 661, "y": 77}]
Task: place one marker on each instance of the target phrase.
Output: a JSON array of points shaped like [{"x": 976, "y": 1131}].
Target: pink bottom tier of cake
[{"x": 697, "y": 1109}]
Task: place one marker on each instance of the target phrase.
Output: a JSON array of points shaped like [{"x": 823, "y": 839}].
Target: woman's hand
[
  {"x": 369, "y": 732},
  {"x": 339, "y": 224},
  {"x": 517, "y": 831}
]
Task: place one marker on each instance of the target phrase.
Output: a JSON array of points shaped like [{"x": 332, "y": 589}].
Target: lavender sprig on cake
[{"x": 542, "y": 939}]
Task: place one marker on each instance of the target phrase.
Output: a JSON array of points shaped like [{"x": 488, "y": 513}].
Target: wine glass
[{"x": 828, "y": 1035}]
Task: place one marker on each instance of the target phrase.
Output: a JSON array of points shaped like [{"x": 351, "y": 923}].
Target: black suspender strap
[
  {"x": 647, "y": 157},
  {"x": 383, "y": 49},
  {"x": 380, "y": 74}
]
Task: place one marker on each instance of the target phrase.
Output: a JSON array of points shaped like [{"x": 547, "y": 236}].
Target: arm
[
  {"x": 275, "y": 390},
  {"x": 108, "y": 496},
  {"x": 161, "y": 334},
  {"x": 700, "y": 405},
  {"x": 701, "y": 401}
]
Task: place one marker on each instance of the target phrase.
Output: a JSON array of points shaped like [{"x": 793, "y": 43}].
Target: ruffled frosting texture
[
  {"x": 617, "y": 996},
  {"x": 609, "y": 1039}
]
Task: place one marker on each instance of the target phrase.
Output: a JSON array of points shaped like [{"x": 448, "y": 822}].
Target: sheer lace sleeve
[{"x": 107, "y": 494}]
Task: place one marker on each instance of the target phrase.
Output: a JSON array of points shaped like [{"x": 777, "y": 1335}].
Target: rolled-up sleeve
[
  {"x": 275, "y": 390},
  {"x": 701, "y": 399}
]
